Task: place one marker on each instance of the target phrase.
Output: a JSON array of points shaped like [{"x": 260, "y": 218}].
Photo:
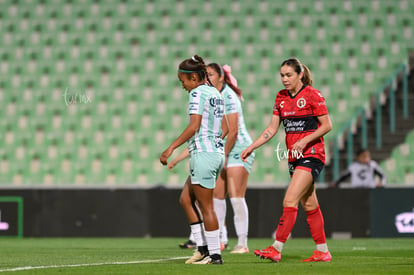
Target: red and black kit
[{"x": 299, "y": 115}]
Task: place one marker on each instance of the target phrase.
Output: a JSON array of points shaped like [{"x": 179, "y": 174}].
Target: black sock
[
  {"x": 203, "y": 250},
  {"x": 215, "y": 257}
]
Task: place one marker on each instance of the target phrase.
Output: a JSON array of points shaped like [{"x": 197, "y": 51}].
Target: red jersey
[{"x": 299, "y": 116}]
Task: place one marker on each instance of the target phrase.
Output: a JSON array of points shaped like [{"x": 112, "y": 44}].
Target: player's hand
[
  {"x": 246, "y": 153},
  {"x": 165, "y": 155},
  {"x": 299, "y": 146},
  {"x": 171, "y": 165}
]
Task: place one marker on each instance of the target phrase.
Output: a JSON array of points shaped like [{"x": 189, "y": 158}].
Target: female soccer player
[
  {"x": 205, "y": 145},
  {"x": 234, "y": 176},
  {"x": 232, "y": 179},
  {"x": 303, "y": 111}
]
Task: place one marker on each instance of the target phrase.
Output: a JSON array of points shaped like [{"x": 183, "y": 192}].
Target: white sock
[
  {"x": 220, "y": 208},
  {"x": 223, "y": 235},
  {"x": 213, "y": 242},
  {"x": 241, "y": 219},
  {"x": 278, "y": 246},
  {"x": 323, "y": 247},
  {"x": 198, "y": 234},
  {"x": 191, "y": 237}
]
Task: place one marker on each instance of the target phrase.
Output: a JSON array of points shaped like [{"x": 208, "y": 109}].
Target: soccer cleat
[
  {"x": 197, "y": 256},
  {"x": 188, "y": 244},
  {"x": 268, "y": 253},
  {"x": 238, "y": 249},
  {"x": 210, "y": 260},
  {"x": 319, "y": 256}
]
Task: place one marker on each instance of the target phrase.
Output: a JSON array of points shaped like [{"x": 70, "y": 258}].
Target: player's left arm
[
  {"x": 325, "y": 125},
  {"x": 224, "y": 127},
  {"x": 233, "y": 130}
]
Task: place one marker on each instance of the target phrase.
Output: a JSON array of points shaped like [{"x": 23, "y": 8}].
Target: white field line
[{"x": 90, "y": 264}]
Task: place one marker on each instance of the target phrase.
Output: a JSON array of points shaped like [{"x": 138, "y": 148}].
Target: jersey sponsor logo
[
  {"x": 282, "y": 103},
  {"x": 236, "y": 156},
  {"x": 294, "y": 125},
  {"x": 301, "y": 102},
  {"x": 194, "y": 94},
  {"x": 289, "y": 113},
  {"x": 214, "y": 101},
  {"x": 229, "y": 97},
  {"x": 362, "y": 174},
  {"x": 301, "y": 124},
  {"x": 193, "y": 107}
]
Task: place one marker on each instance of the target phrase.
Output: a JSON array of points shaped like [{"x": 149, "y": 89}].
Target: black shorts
[{"x": 312, "y": 165}]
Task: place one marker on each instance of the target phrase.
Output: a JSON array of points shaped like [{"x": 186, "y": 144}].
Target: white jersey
[
  {"x": 233, "y": 105},
  {"x": 363, "y": 175},
  {"x": 206, "y": 101}
]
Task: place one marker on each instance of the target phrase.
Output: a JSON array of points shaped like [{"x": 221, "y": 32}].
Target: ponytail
[
  {"x": 232, "y": 81},
  {"x": 196, "y": 65},
  {"x": 307, "y": 76}
]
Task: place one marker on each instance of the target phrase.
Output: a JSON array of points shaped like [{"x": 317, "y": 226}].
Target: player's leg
[
  {"x": 205, "y": 199},
  {"x": 220, "y": 206},
  {"x": 236, "y": 184},
  {"x": 206, "y": 170},
  {"x": 299, "y": 185},
  {"x": 316, "y": 225},
  {"x": 187, "y": 201}
]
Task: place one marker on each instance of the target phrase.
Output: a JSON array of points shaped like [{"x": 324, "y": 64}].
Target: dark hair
[
  {"x": 195, "y": 65},
  {"x": 299, "y": 67},
  {"x": 361, "y": 150},
  {"x": 227, "y": 80}
]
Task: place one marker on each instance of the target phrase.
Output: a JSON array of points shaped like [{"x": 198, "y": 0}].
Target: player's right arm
[{"x": 266, "y": 135}]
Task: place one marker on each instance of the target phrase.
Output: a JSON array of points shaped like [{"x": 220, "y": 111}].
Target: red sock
[
  {"x": 286, "y": 223},
  {"x": 316, "y": 225}
]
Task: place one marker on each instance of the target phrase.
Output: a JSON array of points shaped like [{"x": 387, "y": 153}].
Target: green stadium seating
[{"x": 124, "y": 56}]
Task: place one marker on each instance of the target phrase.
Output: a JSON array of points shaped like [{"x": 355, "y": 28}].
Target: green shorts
[
  {"x": 234, "y": 160},
  {"x": 205, "y": 168}
]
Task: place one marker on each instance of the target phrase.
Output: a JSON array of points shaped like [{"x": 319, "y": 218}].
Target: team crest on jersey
[{"x": 301, "y": 102}]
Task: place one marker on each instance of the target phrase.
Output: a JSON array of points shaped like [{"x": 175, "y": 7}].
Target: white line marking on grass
[{"x": 91, "y": 264}]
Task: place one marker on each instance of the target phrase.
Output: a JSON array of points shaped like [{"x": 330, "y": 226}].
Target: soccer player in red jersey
[{"x": 302, "y": 110}]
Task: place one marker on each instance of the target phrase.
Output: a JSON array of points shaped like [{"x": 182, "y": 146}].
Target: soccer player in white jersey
[
  {"x": 363, "y": 172},
  {"x": 233, "y": 178},
  {"x": 205, "y": 145}
]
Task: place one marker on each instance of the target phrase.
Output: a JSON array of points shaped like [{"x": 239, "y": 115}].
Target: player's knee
[
  {"x": 184, "y": 201},
  {"x": 288, "y": 202}
]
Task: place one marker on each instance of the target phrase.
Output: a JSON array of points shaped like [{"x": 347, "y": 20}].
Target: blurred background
[{"x": 90, "y": 97}]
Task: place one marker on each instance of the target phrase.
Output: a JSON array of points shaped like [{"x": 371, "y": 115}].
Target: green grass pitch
[{"x": 163, "y": 256}]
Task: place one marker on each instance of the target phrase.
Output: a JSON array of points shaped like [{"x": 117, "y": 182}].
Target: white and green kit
[{"x": 206, "y": 146}]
